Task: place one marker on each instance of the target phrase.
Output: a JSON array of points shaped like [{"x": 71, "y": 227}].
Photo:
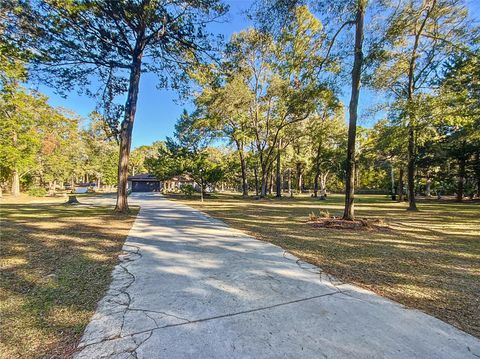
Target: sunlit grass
[
  {"x": 56, "y": 262},
  {"x": 428, "y": 260}
]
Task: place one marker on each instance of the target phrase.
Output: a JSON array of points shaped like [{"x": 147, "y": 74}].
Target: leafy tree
[
  {"x": 114, "y": 42},
  {"x": 326, "y": 136},
  {"x": 101, "y": 152},
  {"x": 164, "y": 164},
  {"x": 457, "y": 116},
  {"x": 12, "y": 50},
  {"x": 282, "y": 85},
  {"x": 345, "y": 13},
  {"x": 140, "y": 154},
  {"x": 418, "y": 36},
  {"x": 21, "y": 115},
  {"x": 225, "y": 98},
  {"x": 388, "y": 142},
  {"x": 60, "y": 139},
  {"x": 188, "y": 153},
  {"x": 360, "y": 6}
]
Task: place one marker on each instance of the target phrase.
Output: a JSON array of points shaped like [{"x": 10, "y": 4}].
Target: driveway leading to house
[{"x": 189, "y": 286}]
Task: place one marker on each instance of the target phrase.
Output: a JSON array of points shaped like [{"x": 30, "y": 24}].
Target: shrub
[
  {"x": 312, "y": 217},
  {"x": 322, "y": 214},
  {"x": 187, "y": 189},
  {"x": 325, "y": 213},
  {"x": 37, "y": 192}
]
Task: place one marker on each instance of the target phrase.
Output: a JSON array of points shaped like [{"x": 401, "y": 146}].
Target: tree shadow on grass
[
  {"x": 430, "y": 260},
  {"x": 57, "y": 262}
]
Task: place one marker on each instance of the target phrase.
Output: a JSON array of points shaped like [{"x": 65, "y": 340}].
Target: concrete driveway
[{"x": 189, "y": 286}]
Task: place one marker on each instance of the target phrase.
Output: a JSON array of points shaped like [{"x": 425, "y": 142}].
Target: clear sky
[{"x": 158, "y": 110}]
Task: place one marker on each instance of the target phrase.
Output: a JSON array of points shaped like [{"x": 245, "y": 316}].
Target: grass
[
  {"x": 56, "y": 262},
  {"x": 429, "y": 260},
  {"x": 60, "y": 197}
]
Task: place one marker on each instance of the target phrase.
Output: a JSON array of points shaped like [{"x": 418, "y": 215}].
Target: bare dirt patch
[{"x": 356, "y": 225}]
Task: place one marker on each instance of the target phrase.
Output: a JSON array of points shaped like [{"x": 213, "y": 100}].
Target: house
[
  {"x": 144, "y": 182},
  {"x": 174, "y": 183}
]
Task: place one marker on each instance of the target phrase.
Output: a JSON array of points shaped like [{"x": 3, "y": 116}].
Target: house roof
[{"x": 143, "y": 177}]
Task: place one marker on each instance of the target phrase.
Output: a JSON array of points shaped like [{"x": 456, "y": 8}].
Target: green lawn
[
  {"x": 56, "y": 262},
  {"x": 429, "y": 260}
]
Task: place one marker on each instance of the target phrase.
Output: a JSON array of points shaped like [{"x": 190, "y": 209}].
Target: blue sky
[{"x": 158, "y": 110}]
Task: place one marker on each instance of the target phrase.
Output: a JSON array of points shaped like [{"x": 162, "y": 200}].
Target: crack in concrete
[
  {"x": 125, "y": 259},
  {"x": 134, "y": 353},
  {"x": 129, "y": 343},
  {"x": 159, "y": 312},
  {"x": 124, "y": 290},
  {"x": 216, "y": 317},
  {"x": 329, "y": 278},
  {"x": 334, "y": 282},
  {"x": 470, "y": 350}
]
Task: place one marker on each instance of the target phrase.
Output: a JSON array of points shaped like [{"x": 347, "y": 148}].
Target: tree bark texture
[
  {"x": 279, "y": 173},
  {"x": 126, "y": 132},
  {"x": 349, "y": 213},
  {"x": 461, "y": 179}
]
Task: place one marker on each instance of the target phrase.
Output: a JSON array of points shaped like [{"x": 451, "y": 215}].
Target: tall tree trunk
[
  {"x": 15, "y": 183},
  {"x": 255, "y": 173},
  {"x": 126, "y": 130},
  {"x": 400, "y": 184},
  {"x": 392, "y": 179},
  {"x": 243, "y": 166},
  {"x": 264, "y": 179},
  {"x": 428, "y": 185},
  {"x": 315, "y": 183},
  {"x": 349, "y": 213},
  {"x": 477, "y": 172},
  {"x": 317, "y": 170},
  {"x": 289, "y": 184},
  {"x": 15, "y": 175},
  {"x": 412, "y": 205},
  {"x": 461, "y": 179},
  {"x": 270, "y": 181},
  {"x": 279, "y": 171},
  {"x": 323, "y": 185},
  {"x": 299, "y": 178}
]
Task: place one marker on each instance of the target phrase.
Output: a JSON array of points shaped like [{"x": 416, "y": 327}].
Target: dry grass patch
[
  {"x": 429, "y": 260},
  {"x": 56, "y": 262}
]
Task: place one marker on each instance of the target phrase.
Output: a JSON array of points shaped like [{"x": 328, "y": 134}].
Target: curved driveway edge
[{"x": 189, "y": 286}]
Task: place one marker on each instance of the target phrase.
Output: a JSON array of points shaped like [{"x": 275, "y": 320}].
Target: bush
[
  {"x": 187, "y": 189},
  {"x": 325, "y": 213},
  {"x": 37, "y": 192},
  {"x": 322, "y": 214}
]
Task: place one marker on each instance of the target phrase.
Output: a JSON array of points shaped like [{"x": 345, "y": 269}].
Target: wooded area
[
  {"x": 314, "y": 128},
  {"x": 268, "y": 116}
]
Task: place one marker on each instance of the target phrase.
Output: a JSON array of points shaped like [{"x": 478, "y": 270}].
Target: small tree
[
  {"x": 113, "y": 42},
  {"x": 187, "y": 153}
]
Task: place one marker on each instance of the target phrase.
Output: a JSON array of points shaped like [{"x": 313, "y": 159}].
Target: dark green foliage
[
  {"x": 37, "y": 192},
  {"x": 187, "y": 189}
]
